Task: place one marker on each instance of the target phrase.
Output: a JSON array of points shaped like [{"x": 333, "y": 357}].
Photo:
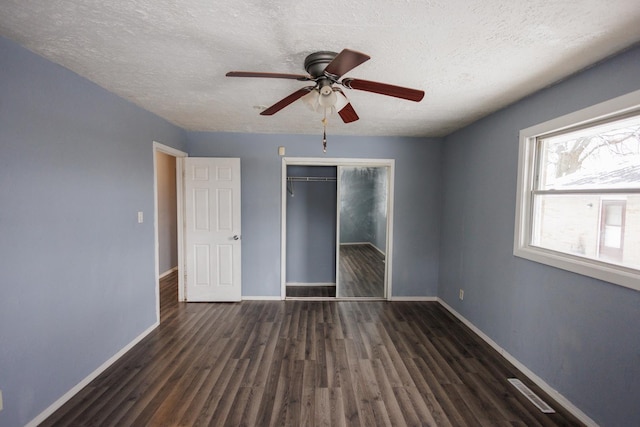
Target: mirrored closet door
[{"x": 363, "y": 205}]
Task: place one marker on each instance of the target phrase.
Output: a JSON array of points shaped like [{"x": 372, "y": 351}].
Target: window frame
[
  {"x": 527, "y": 168},
  {"x": 605, "y": 251}
]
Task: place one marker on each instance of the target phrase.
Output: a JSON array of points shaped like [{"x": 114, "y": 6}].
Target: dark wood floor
[
  {"x": 361, "y": 275},
  {"x": 305, "y": 363},
  {"x": 168, "y": 295}
]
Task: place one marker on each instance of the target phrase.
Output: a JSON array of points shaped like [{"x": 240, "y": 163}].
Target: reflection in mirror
[{"x": 363, "y": 231}]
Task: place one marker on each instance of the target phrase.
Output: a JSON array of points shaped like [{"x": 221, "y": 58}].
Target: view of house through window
[{"x": 586, "y": 195}]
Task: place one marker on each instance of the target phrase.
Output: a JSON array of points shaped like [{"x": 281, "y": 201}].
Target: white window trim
[{"x": 619, "y": 275}]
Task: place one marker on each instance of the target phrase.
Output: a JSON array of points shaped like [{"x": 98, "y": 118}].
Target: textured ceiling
[{"x": 471, "y": 57}]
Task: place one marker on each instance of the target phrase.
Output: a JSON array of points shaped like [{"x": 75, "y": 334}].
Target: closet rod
[{"x": 311, "y": 178}]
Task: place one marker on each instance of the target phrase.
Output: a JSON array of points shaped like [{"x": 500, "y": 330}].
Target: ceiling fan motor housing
[{"x": 317, "y": 62}]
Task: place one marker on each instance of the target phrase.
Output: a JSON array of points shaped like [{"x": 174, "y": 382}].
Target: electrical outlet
[
  {"x": 461, "y": 295},
  {"x": 140, "y": 217}
]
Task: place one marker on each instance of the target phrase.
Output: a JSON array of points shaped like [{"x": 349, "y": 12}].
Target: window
[
  {"x": 612, "y": 230},
  {"x": 579, "y": 192}
]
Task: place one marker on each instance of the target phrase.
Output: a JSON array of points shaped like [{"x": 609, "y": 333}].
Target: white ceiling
[{"x": 471, "y": 57}]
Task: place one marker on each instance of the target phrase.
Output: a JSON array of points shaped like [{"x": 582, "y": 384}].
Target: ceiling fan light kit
[{"x": 325, "y": 69}]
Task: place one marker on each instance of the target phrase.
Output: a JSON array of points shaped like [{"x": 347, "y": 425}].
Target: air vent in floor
[{"x": 533, "y": 398}]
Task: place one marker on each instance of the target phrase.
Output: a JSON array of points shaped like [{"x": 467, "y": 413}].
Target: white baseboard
[
  {"x": 401, "y": 298},
  {"x": 377, "y": 249},
  {"x": 82, "y": 384},
  {"x": 559, "y": 398},
  {"x": 310, "y": 284},
  {"x": 168, "y": 272},
  {"x": 262, "y": 298}
]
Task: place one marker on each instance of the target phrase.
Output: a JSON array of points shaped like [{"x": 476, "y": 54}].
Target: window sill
[{"x": 618, "y": 275}]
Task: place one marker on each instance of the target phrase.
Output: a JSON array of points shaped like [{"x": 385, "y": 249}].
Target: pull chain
[{"x": 324, "y": 132}]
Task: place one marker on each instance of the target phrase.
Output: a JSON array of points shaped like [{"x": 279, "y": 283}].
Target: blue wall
[
  {"x": 581, "y": 335},
  {"x": 417, "y": 201},
  {"x": 311, "y": 226},
  {"x": 78, "y": 279}
]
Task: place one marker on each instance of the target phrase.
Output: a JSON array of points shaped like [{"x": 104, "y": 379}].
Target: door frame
[
  {"x": 179, "y": 155},
  {"x": 337, "y": 162}
]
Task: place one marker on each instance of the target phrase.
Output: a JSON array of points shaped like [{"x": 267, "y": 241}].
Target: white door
[{"x": 212, "y": 223}]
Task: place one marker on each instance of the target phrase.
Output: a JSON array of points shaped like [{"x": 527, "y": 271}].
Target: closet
[
  {"x": 336, "y": 225},
  {"x": 311, "y": 231}
]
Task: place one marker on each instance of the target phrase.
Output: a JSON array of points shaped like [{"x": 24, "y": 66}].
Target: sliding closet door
[{"x": 363, "y": 222}]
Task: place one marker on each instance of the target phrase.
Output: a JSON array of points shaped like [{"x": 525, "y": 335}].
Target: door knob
[{"x": 236, "y": 237}]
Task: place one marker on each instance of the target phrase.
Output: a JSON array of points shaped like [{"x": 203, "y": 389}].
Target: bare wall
[
  {"x": 578, "y": 334},
  {"x": 78, "y": 271}
]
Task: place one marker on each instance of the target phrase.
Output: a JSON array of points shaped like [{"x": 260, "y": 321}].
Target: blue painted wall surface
[
  {"x": 311, "y": 226},
  {"x": 78, "y": 280},
  {"x": 417, "y": 201},
  {"x": 579, "y": 334}
]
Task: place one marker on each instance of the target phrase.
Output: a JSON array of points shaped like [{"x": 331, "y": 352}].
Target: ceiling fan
[{"x": 326, "y": 70}]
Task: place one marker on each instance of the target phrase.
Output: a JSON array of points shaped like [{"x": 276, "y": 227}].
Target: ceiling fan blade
[
  {"x": 301, "y": 77},
  {"x": 286, "y": 101},
  {"x": 344, "y": 62},
  {"x": 384, "y": 89},
  {"x": 348, "y": 114}
]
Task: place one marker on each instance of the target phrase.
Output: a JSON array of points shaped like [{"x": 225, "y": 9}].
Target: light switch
[
  {"x": 281, "y": 151},
  {"x": 140, "y": 217},
  {"x": 1, "y": 406}
]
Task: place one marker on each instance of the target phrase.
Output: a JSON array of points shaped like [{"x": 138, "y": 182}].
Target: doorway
[
  {"x": 168, "y": 213},
  {"x": 336, "y": 227}
]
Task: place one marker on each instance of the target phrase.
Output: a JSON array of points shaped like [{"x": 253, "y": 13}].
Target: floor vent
[{"x": 533, "y": 398}]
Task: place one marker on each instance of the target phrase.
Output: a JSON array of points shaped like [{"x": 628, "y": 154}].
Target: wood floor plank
[
  {"x": 308, "y": 407},
  {"x": 386, "y": 395},
  {"x": 408, "y": 410},
  {"x": 251, "y": 407},
  {"x": 323, "y": 408},
  {"x": 241, "y": 401},
  {"x": 294, "y": 363},
  {"x": 272, "y": 368},
  {"x": 441, "y": 408},
  {"x": 225, "y": 396},
  {"x": 201, "y": 400},
  {"x": 296, "y": 384},
  {"x": 351, "y": 413},
  {"x": 394, "y": 365}
]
